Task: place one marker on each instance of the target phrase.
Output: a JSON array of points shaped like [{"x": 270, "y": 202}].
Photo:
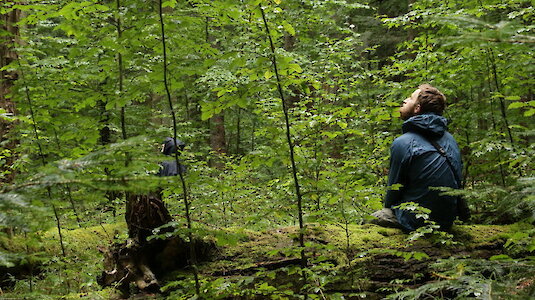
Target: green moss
[
  {"x": 364, "y": 237},
  {"x": 240, "y": 251},
  {"x": 59, "y": 275},
  {"x": 281, "y": 243},
  {"x": 77, "y": 242},
  {"x": 477, "y": 234}
]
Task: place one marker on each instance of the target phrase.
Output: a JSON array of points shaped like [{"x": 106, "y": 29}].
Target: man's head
[
  {"x": 168, "y": 147},
  {"x": 426, "y": 98}
]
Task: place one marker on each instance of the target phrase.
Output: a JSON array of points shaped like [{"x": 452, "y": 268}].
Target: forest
[{"x": 283, "y": 113}]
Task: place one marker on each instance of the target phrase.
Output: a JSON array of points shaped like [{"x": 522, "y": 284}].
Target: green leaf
[
  {"x": 384, "y": 117},
  {"x": 295, "y": 67},
  {"x": 288, "y": 27},
  {"x": 169, "y": 3},
  {"x": 516, "y": 105},
  {"x": 207, "y": 114},
  {"x": 242, "y": 102},
  {"x": 345, "y": 111},
  {"x": 500, "y": 257},
  {"x": 531, "y": 246},
  {"x": 530, "y": 112},
  {"x": 419, "y": 255},
  {"x": 268, "y": 74},
  {"x": 332, "y": 134},
  {"x": 234, "y": 14},
  {"x": 6, "y": 116}
]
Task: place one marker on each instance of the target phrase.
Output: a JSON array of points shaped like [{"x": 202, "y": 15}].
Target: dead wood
[
  {"x": 269, "y": 265},
  {"x": 140, "y": 261}
]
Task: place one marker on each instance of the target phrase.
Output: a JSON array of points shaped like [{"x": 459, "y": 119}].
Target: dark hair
[{"x": 431, "y": 99}]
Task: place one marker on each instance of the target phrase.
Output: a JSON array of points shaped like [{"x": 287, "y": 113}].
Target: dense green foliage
[{"x": 91, "y": 109}]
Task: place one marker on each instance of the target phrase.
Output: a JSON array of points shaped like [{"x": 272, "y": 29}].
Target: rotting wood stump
[
  {"x": 140, "y": 261},
  {"x": 142, "y": 264}
]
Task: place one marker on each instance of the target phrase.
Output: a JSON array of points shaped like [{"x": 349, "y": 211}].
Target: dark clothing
[
  {"x": 417, "y": 166},
  {"x": 169, "y": 146},
  {"x": 169, "y": 167}
]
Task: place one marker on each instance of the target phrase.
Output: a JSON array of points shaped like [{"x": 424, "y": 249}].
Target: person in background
[
  {"x": 169, "y": 167},
  {"x": 145, "y": 212}
]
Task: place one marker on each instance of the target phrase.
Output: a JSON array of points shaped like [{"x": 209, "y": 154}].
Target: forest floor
[{"x": 353, "y": 262}]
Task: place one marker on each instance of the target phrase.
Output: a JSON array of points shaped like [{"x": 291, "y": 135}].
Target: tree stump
[
  {"x": 142, "y": 262},
  {"x": 144, "y": 213}
]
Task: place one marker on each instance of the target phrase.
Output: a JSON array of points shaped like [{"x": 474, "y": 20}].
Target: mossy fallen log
[{"x": 370, "y": 262}]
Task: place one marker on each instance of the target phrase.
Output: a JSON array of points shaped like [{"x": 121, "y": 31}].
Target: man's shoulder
[
  {"x": 403, "y": 144},
  {"x": 405, "y": 138},
  {"x": 413, "y": 143},
  {"x": 449, "y": 136}
]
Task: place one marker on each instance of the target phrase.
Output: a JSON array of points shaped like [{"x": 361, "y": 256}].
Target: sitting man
[{"x": 425, "y": 156}]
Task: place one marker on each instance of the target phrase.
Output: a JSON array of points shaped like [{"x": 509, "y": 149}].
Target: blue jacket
[{"x": 417, "y": 166}]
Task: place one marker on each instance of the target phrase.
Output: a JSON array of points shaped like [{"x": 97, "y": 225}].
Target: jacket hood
[
  {"x": 428, "y": 124},
  {"x": 169, "y": 146}
]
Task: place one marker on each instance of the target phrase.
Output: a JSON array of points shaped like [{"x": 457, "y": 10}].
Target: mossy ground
[
  {"x": 281, "y": 243},
  {"x": 46, "y": 273},
  {"x": 74, "y": 276}
]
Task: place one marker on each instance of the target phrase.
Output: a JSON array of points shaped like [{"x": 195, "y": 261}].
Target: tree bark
[
  {"x": 7, "y": 55},
  {"x": 217, "y": 134},
  {"x": 217, "y": 122}
]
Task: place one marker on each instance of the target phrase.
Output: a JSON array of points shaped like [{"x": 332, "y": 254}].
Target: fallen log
[{"x": 269, "y": 265}]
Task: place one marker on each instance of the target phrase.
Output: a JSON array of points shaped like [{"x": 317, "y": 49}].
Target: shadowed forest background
[{"x": 287, "y": 109}]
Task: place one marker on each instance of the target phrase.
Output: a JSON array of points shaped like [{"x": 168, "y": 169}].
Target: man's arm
[{"x": 396, "y": 174}]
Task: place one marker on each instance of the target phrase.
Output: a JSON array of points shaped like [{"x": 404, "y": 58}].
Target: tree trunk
[
  {"x": 143, "y": 214},
  {"x": 217, "y": 122},
  {"x": 411, "y": 33},
  {"x": 217, "y": 134},
  {"x": 7, "y": 55},
  {"x": 238, "y": 132}
]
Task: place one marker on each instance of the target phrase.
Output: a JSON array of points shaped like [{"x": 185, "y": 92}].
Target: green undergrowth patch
[
  {"x": 83, "y": 240},
  {"x": 43, "y": 269},
  {"x": 476, "y": 234},
  {"x": 364, "y": 236}
]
